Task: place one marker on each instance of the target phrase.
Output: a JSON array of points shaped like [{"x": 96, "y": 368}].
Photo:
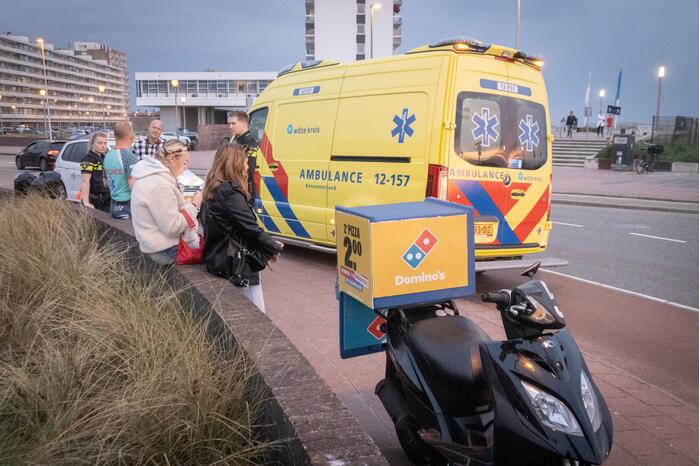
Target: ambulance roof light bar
[
  {"x": 462, "y": 44},
  {"x": 535, "y": 61}
]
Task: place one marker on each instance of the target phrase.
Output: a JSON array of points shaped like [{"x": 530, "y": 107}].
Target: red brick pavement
[{"x": 650, "y": 427}]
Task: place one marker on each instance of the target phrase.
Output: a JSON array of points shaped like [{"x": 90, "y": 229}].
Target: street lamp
[
  {"x": 40, "y": 41},
  {"x": 661, "y": 73},
  {"x": 175, "y": 83},
  {"x": 2, "y": 128},
  {"x": 101, "y": 88},
  {"x": 374, "y": 6},
  {"x": 601, "y": 94}
]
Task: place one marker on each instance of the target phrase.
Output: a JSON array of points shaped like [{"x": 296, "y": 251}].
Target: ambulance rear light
[
  {"x": 533, "y": 60},
  {"x": 436, "y": 185},
  {"x": 463, "y": 44},
  {"x": 549, "y": 207}
]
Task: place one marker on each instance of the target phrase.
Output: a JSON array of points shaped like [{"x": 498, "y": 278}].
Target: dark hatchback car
[{"x": 40, "y": 154}]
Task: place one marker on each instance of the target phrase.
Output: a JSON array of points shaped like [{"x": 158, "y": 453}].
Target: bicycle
[{"x": 649, "y": 161}]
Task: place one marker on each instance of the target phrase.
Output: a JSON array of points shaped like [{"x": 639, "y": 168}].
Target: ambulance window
[
  {"x": 257, "y": 123},
  {"x": 480, "y": 127},
  {"x": 531, "y": 132},
  {"x": 500, "y": 131}
]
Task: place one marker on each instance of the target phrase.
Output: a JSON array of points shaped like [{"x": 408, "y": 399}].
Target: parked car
[
  {"x": 40, "y": 154},
  {"x": 73, "y": 152},
  {"x": 190, "y": 134},
  {"x": 167, "y": 136}
]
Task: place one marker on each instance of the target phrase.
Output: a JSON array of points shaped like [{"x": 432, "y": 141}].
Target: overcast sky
[{"x": 574, "y": 37}]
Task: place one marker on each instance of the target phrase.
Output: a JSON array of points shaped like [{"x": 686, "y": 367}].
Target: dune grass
[{"x": 99, "y": 365}]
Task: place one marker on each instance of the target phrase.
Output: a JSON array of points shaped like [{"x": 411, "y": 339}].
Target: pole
[
  {"x": 2, "y": 128},
  {"x": 517, "y": 27},
  {"x": 371, "y": 31},
  {"x": 658, "y": 104},
  {"x": 46, "y": 85}
]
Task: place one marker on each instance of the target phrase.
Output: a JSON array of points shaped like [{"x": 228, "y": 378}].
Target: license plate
[{"x": 483, "y": 229}]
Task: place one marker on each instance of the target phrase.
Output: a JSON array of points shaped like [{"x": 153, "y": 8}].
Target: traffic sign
[{"x": 614, "y": 110}]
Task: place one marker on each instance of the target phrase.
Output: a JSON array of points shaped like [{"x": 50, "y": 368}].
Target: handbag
[
  {"x": 187, "y": 255},
  {"x": 239, "y": 257}
]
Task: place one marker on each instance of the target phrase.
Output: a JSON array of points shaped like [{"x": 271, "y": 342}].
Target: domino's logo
[{"x": 420, "y": 249}]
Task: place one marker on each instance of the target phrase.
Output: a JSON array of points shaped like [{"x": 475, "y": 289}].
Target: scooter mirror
[{"x": 532, "y": 270}]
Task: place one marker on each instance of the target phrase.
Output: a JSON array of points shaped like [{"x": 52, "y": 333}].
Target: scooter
[{"x": 457, "y": 397}]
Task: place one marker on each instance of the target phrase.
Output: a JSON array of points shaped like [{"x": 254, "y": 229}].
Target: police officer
[{"x": 238, "y": 124}]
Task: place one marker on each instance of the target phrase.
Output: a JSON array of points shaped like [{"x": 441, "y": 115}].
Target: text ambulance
[{"x": 457, "y": 120}]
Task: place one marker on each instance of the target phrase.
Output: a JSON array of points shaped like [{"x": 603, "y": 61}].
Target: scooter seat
[{"x": 447, "y": 352}]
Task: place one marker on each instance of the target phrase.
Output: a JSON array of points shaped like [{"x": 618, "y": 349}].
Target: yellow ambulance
[{"x": 457, "y": 120}]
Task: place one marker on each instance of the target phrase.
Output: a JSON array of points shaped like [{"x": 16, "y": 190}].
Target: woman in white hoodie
[{"x": 159, "y": 211}]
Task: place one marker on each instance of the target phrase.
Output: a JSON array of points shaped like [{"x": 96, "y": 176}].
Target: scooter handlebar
[{"x": 498, "y": 298}]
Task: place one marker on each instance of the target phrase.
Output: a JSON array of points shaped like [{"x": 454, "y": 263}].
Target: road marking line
[
  {"x": 614, "y": 288},
  {"x": 658, "y": 237},
  {"x": 568, "y": 224}
]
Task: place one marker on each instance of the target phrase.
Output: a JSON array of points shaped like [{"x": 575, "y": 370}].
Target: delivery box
[{"x": 396, "y": 255}]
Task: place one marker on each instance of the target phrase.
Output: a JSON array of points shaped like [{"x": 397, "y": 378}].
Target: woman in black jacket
[{"x": 230, "y": 225}]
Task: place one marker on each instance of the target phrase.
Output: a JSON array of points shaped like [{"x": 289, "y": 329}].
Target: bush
[{"x": 99, "y": 365}]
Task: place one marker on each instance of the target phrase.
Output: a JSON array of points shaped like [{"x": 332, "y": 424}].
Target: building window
[
  {"x": 361, "y": 48},
  {"x": 360, "y": 56},
  {"x": 360, "y": 19},
  {"x": 360, "y": 38},
  {"x": 360, "y": 28},
  {"x": 360, "y": 8}
]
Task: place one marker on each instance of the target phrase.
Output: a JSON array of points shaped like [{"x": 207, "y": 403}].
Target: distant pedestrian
[
  {"x": 94, "y": 192},
  {"x": 149, "y": 146},
  {"x": 562, "y": 126},
  {"x": 117, "y": 165},
  {"x": 238, "y": 124},
  {"x": 571, "y": 123},
  {"x": 601, "y": 124}
]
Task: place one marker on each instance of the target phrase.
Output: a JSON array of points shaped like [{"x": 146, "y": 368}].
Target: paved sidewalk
[{"x": 651, "y": 427}]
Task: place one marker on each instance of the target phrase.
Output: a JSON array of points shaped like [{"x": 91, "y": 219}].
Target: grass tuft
[{"x": 99, "y": 365}]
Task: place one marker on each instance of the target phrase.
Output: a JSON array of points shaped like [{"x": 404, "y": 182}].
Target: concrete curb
[{"x": 631, "y": 203}]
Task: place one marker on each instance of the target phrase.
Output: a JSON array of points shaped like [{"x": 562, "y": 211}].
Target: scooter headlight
[
  {"x": 590, "y": 402},
  {"x": 551, "y": 411}
]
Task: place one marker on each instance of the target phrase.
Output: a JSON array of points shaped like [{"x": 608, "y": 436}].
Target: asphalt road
[
  {"x": 652, "y": 253},
  {"x": 656, "y": 342}
]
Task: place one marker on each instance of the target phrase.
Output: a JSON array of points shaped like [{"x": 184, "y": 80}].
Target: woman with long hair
[
  {"x": 159, "y": 211},
  {"x": 235, "y": 246}
]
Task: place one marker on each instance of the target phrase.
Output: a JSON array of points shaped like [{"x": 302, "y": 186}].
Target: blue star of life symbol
[
  {"x": 485, "y": 129},
  {"x": 403, "y": 125},
  {"x": 529, "y": 133}
]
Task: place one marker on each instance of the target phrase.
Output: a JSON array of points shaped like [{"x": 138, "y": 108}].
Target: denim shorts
[
  {"x": 120, "y": 210},
  {"x": 165, "y": 257}
]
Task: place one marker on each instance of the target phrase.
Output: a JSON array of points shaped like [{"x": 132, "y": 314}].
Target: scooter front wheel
[{"x": 415, "y": 448}]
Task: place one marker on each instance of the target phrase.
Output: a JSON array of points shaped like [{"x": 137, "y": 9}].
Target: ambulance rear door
[
  {"x": 477, "y": 158},
  {"x": 531, "y": 164}
]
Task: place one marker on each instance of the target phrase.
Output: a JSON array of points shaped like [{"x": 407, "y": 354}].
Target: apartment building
[
  {"x": 349, "y": 30},
  {"x": 82, "y": 85}
]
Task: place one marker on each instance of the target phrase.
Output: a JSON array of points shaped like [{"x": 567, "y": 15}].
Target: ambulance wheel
[{"x": 415, "y": 448}]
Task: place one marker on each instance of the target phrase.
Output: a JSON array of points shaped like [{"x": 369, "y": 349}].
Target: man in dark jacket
[
  {"x": 571, "y": 123},
  {"x": 238, "y": 124}
]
